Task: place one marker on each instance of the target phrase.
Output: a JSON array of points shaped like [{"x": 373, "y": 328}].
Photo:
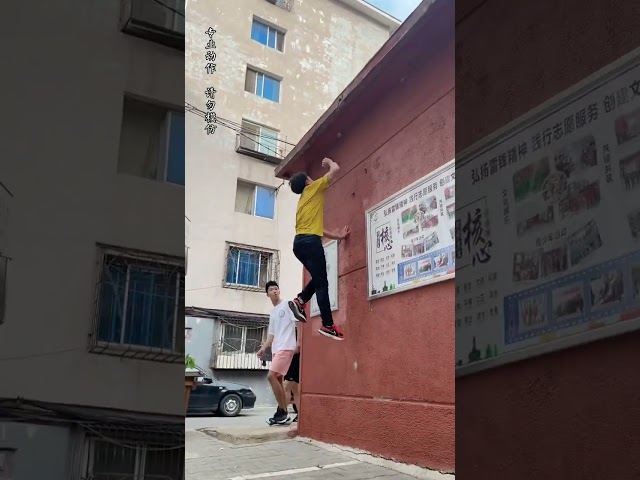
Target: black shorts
[{"x": 293, "y": 375}]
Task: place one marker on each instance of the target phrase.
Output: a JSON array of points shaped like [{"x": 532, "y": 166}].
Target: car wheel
[{"x": 230, "y": 405}]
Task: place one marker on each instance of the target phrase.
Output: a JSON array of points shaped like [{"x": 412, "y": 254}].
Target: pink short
[{"x": 281, "y": 361}]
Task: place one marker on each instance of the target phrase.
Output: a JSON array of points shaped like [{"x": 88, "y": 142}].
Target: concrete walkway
[{"x": 208, "y": 458}]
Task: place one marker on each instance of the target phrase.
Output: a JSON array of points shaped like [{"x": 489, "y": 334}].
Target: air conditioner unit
[
  {"x": 165, "y": 16},
  {"x": 163, "y": 23}
]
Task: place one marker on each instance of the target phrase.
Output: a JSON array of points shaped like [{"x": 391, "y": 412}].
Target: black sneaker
[
  {"x": 270, "y": 420},
  {"x": 331, "y": 332},
  {"x": 297, "y": 308},
  {"x": 281, "y": 417}
]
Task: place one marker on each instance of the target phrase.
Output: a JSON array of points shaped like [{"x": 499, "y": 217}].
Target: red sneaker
[
  {"x": 297, "y": 308},
  {"x": 331, "y": 332}
]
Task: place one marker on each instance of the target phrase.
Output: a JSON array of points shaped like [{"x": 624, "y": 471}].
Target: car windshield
[{"x": 204, "y": 373}]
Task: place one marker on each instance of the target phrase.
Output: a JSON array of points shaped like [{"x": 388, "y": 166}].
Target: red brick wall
[
  {"x": 573, "y": 414},
  {"x": 389, "y": 387}
]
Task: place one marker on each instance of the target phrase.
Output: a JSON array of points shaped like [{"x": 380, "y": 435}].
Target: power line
[
  {"x": 230, "y": 123},
  {"x": 254, "y": 140},
  {"x": 239, "y": 125},
  {"x": 177, "y": 12},
  {"x": 190, "y": 108},
  {"x": 202, "y": 288},
  {"x": 43, "y": 354},
  {"x": 6, "y": 189}
]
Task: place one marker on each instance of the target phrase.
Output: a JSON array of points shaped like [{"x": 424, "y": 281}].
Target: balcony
[
  {"x": 261, "y": 146},
  {"x": 241, "y": 336},
  {"x": 284, "y": 4},
  {"x": 237, "y": 360},
  {"x": 147, "y": 19}
]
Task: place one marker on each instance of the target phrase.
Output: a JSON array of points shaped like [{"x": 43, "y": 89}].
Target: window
[
  {"x": 140, "y": 300},
  {"x": 237, "y": 339},
  {"x": 284, "y": 4},
  {"x": 152, "y": 142},
  {"x": 267, "y": 35},
  {"x": 260, "y": 139},
  {"x": 130, "y": 459},
  {"x": 255, "y": 200},
  {"x": 250, "y": 268},
  {"x": 262, "y": 85}
]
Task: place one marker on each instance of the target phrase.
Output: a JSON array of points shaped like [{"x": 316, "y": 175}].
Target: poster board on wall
[
  {"x": 411, "y": 237},
  {"x": 331, "y": 256},
  {"x": 560, "y": 201}
]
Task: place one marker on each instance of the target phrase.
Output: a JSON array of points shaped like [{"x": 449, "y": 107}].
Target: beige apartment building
[
  {"x": 91, "y": 261},
  {"x": 278, "y": 66}
]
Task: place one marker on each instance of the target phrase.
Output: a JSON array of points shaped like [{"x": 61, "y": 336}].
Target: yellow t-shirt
[{"x": 310, "y": 213}]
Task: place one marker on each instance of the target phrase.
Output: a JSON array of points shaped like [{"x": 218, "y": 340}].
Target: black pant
[{"x": 308, "y": 249}]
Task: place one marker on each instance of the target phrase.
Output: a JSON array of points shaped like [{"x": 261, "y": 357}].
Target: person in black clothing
[{"x": 292, "y": 381}]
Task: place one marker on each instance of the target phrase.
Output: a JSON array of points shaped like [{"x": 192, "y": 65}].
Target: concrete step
[{"x": 249, "y": 435}]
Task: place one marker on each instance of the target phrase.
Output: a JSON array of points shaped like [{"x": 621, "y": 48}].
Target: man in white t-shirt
[{"x": 282, "y": 340}]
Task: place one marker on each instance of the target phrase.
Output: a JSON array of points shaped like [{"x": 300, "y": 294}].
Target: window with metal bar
[
  {"x": 140, "y": 301},
  {"x": 250, "y": 268},
  {"x": 246, "y": 340},
  {"x": 133, "y": 461}
]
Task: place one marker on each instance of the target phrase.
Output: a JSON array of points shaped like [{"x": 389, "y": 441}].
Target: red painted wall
[
  {"x": 574, "y": 414},
  {"x": 389, "y": 387}
]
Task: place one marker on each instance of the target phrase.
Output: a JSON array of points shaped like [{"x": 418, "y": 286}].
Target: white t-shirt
[{"x": 282, "y": 326}]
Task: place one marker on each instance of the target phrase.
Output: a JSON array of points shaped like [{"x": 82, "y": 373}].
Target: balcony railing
[
  {"x": 272, "y": 150},
  {"x": 161, "y": 23},
  {"x": 227, "y": 356}
]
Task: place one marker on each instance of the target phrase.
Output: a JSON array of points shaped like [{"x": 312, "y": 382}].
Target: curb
[
  {"x": 366, "y": 457},
  {"x": 251, "y": 436}
]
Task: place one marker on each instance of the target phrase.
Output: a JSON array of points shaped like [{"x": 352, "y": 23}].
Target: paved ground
[
  {"x": 211, "y": 459},
  {"x": 255, "y": 417}
]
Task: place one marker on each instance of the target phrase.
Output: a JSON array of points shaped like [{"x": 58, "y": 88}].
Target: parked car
[{"x": 211, "y": 395}]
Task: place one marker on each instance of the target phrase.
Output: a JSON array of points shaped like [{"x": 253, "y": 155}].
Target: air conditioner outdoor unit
[{"x": 154, "y": 20}]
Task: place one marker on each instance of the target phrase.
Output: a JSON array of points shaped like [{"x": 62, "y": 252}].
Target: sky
[{"x": 399, "y": 9}]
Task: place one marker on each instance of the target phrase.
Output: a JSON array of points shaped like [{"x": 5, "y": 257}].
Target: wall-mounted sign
[
  {"x": 411, "y": 236},
  {"x": 559, "y": 198},
  {"x": 331, "y": 255}
]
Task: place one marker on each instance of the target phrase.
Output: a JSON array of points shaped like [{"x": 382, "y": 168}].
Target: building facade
[
  {"x": 278, "y": 65},
  {"x": 92, "y": 332},
  {"x": 390, "y": 384}
]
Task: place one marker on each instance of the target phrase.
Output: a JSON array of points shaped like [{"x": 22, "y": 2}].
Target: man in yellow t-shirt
[{"x": 307, "y": 245}]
